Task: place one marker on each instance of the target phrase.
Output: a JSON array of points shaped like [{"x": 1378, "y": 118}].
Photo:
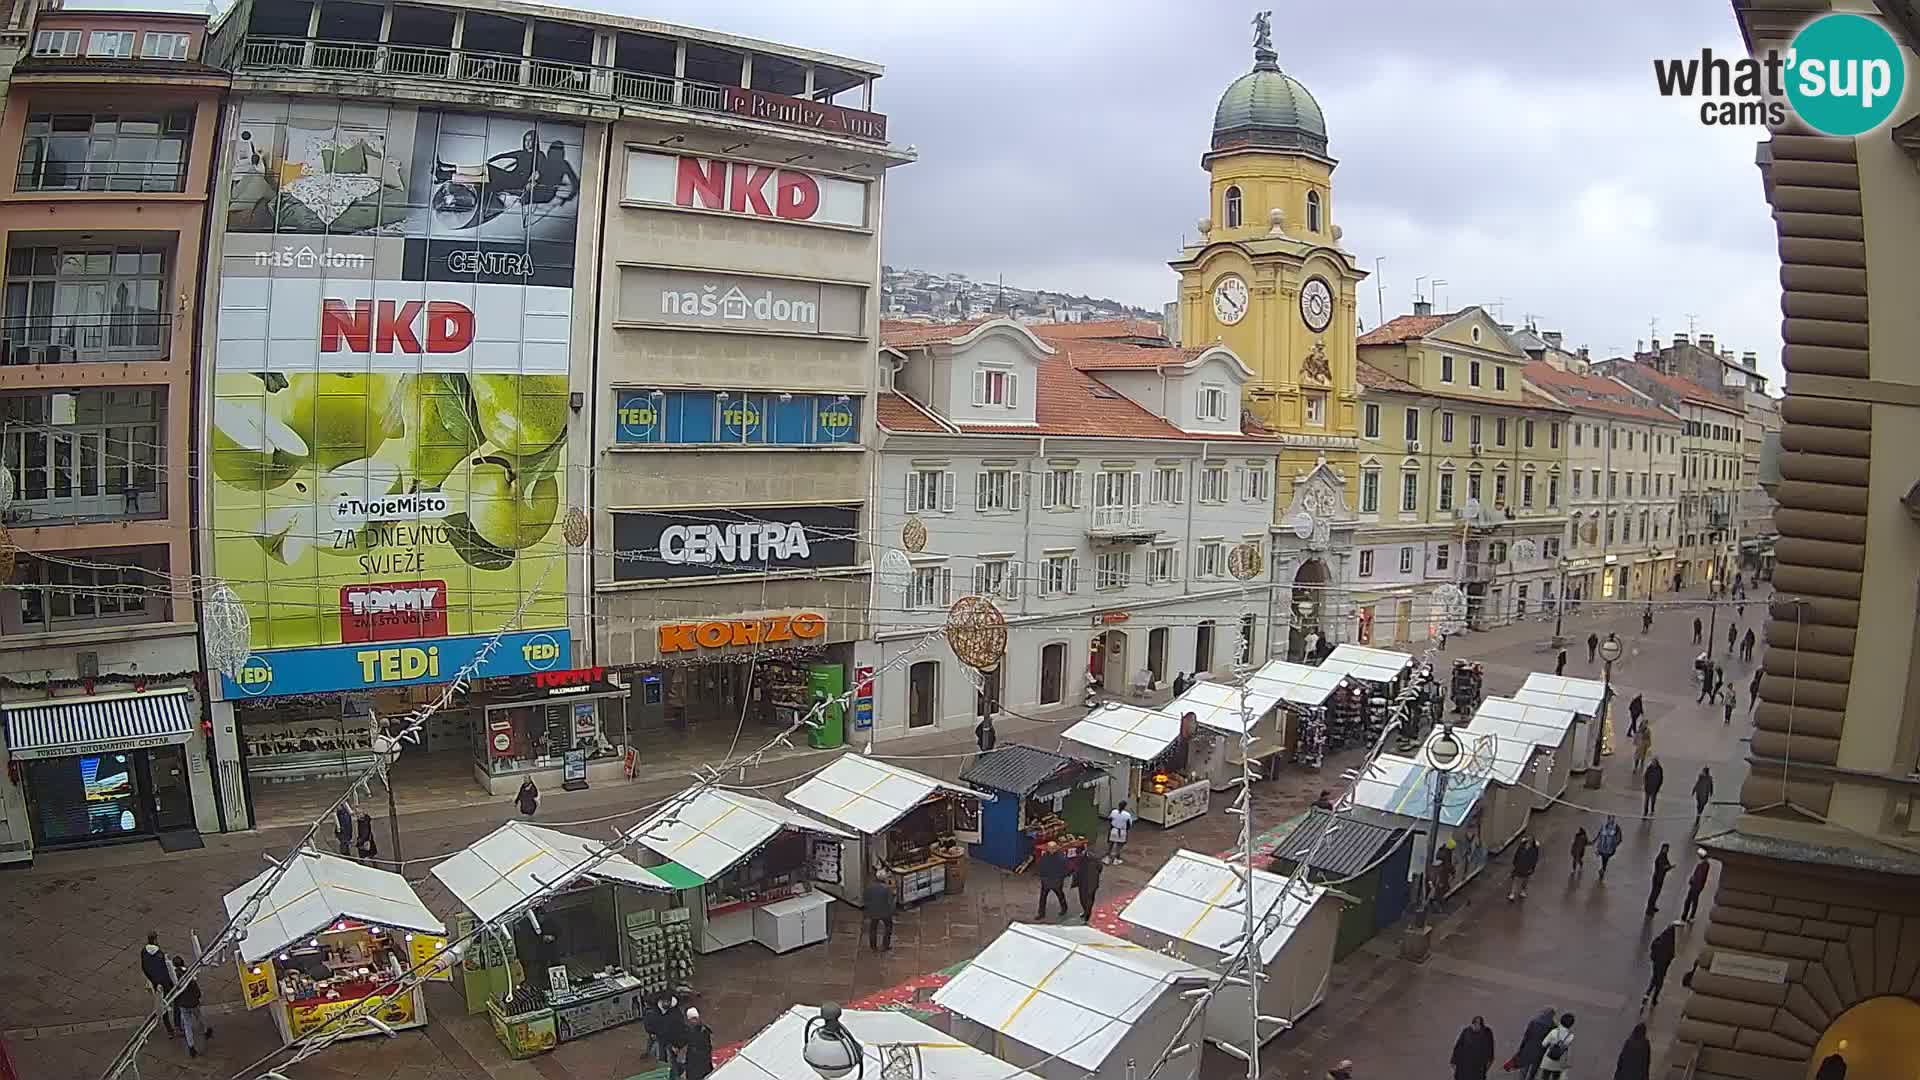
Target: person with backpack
[
  {"x": 363, "y": 843},
  {"x": 1556, "y": 1049},
  {"x": 1608, "y": 842},
  {"x": 1593, "y": 646},
  {"x": 528, "y": 797},
  {"x": 1579, "y": 851},
  {"x": 1526, "y": 1060},
  {"x": 1636, "y": 1057}
]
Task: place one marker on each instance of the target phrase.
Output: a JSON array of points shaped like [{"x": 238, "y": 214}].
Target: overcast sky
[{"x": 1517, "y": 150}]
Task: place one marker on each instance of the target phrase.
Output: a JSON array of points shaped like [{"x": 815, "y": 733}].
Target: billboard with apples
[{"x": 390, "y": 397}]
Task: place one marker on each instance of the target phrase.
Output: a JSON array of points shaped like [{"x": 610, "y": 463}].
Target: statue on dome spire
[{"x": 1263, "y": 53}]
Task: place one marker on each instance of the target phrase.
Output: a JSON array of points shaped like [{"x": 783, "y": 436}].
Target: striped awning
[{"x": 90, "y": 725}]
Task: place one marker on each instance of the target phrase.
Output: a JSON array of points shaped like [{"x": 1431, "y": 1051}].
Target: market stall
[
  {"x": 1384, "y": 668},
  {"x": 1582, "y": 697},
  {"x": 1398, "y": 793},
  {"x": 1193, "y": 909},
  {"x": 1038, "y": 796},
  {"x": 329, "y": 938},
  {"x": 1304, "y": 693},
  {"x": 1506, "y": 765},
  {"x": 1545, "y": 727},
  {"x": 911, "y": 825},
  {"x": 1150, "y": 749},
  {"x": 582, "y": 973},
  {"x": 1221, "y": 714},
  {"x": 748, "y": 869},
  {"x": 1369, "y": 862},
  {"x": 777, "y": 1052}
]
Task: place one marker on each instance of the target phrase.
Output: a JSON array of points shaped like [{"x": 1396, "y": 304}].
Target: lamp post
[
  {"x": 1610, "y": 650},
  {"x": 388, "y": 746},
  {"x": 1443, "y": 754},
  {"x": 1560, "y": 606}
]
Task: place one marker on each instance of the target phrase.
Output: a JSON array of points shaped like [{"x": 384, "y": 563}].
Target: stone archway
[
  {"x": 1306, "y": 605},
  {"x": 1879, "y": 1039}
]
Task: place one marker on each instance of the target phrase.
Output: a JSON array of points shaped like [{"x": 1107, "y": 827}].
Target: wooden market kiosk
[
  {"x": 1505, "y": 765},
  {"x": 1038, "y": 796},
  {"x": 1548, "y": 729},
  {"x": 748, "y": 869},
  {"x": 1304, "y": 691},
  {"x": 1398, "y": 793},
  {"x": 1222, "y": 713},
  {"x": 1150, "y": 749},
  {"x": 1582, "y": 697},
  {"x": 584, "y": 963},
  {"x": 328, "y": 938},
  {"x": 914, "y": 826}
]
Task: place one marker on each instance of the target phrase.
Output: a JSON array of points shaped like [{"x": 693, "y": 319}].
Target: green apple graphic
[
  {"x": 522, "y": 414},
  {"x": 502, "y": 507},
  {"x": 447, "y": 432},
  {"x": 343, "y": 417},
  {"x": 251, "y": 448},
  {"x": 310, "y": 516}
]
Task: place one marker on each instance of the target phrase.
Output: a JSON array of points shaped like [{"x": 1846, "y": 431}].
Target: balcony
[
  {"x": 102, "y": 176},
  {"x": 127, "y": 337},
  {"x": 1120, "y": 525}
]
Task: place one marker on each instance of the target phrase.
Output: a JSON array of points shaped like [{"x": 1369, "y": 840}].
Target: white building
[{"x": 1093, "y": 487}]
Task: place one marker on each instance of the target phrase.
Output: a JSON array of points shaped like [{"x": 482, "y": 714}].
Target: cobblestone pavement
[{"x": 70, "y": 990}]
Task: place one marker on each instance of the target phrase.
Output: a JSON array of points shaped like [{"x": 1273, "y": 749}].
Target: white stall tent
[
  {"x": 1397, "y": 792},
  {"x": 1549, "y": 728},
  {"x": 1070, "y": 1002},
  {"x": 1580, "y": 696},
  {"x": 775, "y": 1053},
  {"x": 1298, "y": 684},
  {"x": 1128, "y": 735},
  {"x": 1367, "y": 664},
  {"x": 318, "y": 889},
  {"x": 1194, "y": 904},
  {"x": 1217, "y": 708},
  {"x": 869, "y": 797},
  {"x": 713, "y": 832},
  {"x": 517, "y": 860},
  {"x": 1126, "y": 731},
  {"x": 1505, "y": 764}
]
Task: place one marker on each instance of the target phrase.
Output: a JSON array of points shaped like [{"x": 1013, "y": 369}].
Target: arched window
[
  {"x": 1313, "y": 211},
  {"x": 1233, "y": 208}
]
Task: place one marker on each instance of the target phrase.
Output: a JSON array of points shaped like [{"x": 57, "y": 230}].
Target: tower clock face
[
  {"x": 1316, "y": 304},
  {"x": 1230, "y": 299}
]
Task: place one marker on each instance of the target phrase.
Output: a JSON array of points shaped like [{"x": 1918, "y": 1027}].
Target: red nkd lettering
[
  {"x": 747, "y": 194},
  {"x": 388, "y": 326},
  {"x": 700, "y": 183},
  {"x": 796, "y": 196}
]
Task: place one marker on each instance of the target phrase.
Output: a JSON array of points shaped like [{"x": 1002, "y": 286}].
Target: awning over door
[{"x": 63, "y": 727}]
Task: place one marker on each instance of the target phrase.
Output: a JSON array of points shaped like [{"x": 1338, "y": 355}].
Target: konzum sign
[
  {"x": 748, "y": 189},
  {"x": 777, "y": 630}
]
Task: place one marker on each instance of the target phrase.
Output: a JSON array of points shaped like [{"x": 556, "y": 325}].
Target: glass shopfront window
[
  {"x": 531, "y": 735},
  {"x": 89, "y": 798}
]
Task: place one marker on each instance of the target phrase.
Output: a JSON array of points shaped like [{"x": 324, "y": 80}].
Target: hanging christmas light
[
  {"x": 9, "y": 555},
  {"x": 227, "y": 629},
  {"x": 576, "y": 528},
  {"x": 6, "y": 488},
  {"x": 977, "y": 632}
]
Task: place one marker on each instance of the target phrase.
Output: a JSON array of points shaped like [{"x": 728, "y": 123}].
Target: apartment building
[
  {"x": 1092, "y": 487},
  {"x": 1760, "y": 436},
  {"x": 1712, "y": 445},
  {"x": 105, "y": 153}
]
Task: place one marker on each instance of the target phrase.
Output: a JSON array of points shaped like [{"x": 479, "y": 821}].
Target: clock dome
[{"x": 1268, "y": 109}]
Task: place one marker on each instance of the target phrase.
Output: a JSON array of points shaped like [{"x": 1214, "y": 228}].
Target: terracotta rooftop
[
  {"x": 1111, "y": 355},
  {"x": 1405, "y": 327},
  {"x": 1069, "y": 402},
  {"x": 1592, "y": 393},
  {"x": 897, "y": 412},
  {"x": 1374, "y": 378},
  {"x": 908, "y": 334},
  {"x": 1685, "y": 389},
  {"x": 1100, "y": 329}
]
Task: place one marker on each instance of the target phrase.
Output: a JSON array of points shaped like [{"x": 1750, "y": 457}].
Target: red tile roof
[
  {"x": 1069, "y": 402},
  {"x": 1109, "y": 355},
  {"x": 897, "y": 412},
  {"x": 1685, "y": 389},
  {"x": 1100, "y": 329},
  {"x": 1540, "y": 401},
  {"x": 1377, "y": 379},
  {"x": 909, "y": 334},
  {"x": 1405, "y": 327},
  {"x": 1592, "y": 393}
]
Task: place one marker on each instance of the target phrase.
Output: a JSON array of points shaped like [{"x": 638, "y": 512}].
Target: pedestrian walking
[
  {"x": 1733, "y": 635},
  {"x": 1473, "y": 1051},
  {"x": 1526, "y": 859},
  {"x": 1526, "y": 1060},
  {"x": 1665, "y": 944},
  {"x": 1702, "y": 793},
  {"x": 696, "y": 1054},
  {"x": 877, "y": 903},
  {"x": 1593, "y": 646},
  {"x": 1696, "y": 629},
  {"x": 1052, "y": 869},
  {"x": 1556, "y": 1050},
  {"x": 1747, "y": 642},
  {"x": 1440, "y": 878},
  {"x": 1832, "y": 1067},
  {"x": 1651, "y": 781},
  {"x": 1696, "y": 884},
  {"x": 1605, "y": 844},
  {"x": 343, "y": 826},
  {"x": 187, "y": 1006},
  {"x": 153, "y": 964},
  {"x": 673, "y": 1037},
  {"x": 1635, "y": 710},
  {"x": 1636, "y": 1057},
  {"x": 653, "y": 1017},
  {"x": 1642, "y": 746},
  {"x": 1118, "y": 824},
  {"x": 1560, "y": 663},
  {"x": 984, "y": 736},
  {"x": 1662, "y": 863},
  {"x": 1753, "y": 689},
  {"x": 1719, "y": 678},
  {"x": 528, "y": 798},
  {"x": 1324, "y": 801},
  {"x": 363, "y": 843},
  {"x": 1676, "y": 582},
  {"x": 1704, "y": 668},
  {"x": 1646, "y": 620},
  {"x": 1579, "y": 851},
  {"x": 1086, "y": 882},
  {"x": 1727, "y": 700}
]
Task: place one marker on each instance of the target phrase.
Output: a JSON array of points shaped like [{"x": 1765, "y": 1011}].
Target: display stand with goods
[
  {"x": 660, "y": 945},
  {"x": 1304, "y": 691},
  {"x": 1149, "y": 750},
  {"x": 910, "y": 825},
  {"x": 1469, "y": 684},
  {"x": 1038, "y": 795}
]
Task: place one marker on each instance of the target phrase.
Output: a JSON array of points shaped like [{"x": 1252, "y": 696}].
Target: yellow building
[
  {"x": 1269, "y": 279},
  {"x": 1461, "y": 477}
]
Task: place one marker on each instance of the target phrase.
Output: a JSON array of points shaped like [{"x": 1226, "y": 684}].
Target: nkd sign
[{"x": 744, "y": 188}]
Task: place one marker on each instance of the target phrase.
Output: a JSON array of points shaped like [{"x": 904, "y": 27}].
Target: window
[
  {"x": 1550, "y": 548},
  {"x": 1446, "y": 427},
  {"x": 1210, "y": 559},
  {"x": 1442, "y": 556},
  {"x": 1553, "y": 436},
  {"x": 1446, "y": 368},
  {"x": 1406, "y": 560},
  {"x": 1213, "y": 484},
  {"x": 1497, "y": 551},
  {"x": 1116, "y": 497},
  {"x": 1060, "y": 490},
  {"x": 1059, "y": 575},
  {"x": 996, "y": 386},
  {"x": 102, "y": 460},
  {"x": 1613, "y": 439},
  {"x": 1213, "y": 403},
  {"x": 154, "y": 46},
  {"x": 1233, "y": 208},
  {"x": 1256, "y": 484},
  {"x": 995, "y": 577},
  {"x": 1473, "y": 485},
  {"x": 1446, "y": 491},
  {"x": 929, "y": 489},
  {"x": 112, "y": 588},
  {"x": 1646, "y": 519},
  {"x": 1553, "y": 492},
  {"x": 1629, "y": 485},
  {"x": 1163, "y": 565},
  {"x": 1366, "y": 562},
  {"x": 1626, "y": 529},
  {"x": 1313, "y": 211},
  {"x": 1409, "y": 492},
  {"x": 1369, "y": 491},
  {"x": 1413, "y": 425},
  {"x": 1499, "y": 431},
  {"x": 932, "y": 587},
  {"x": 1576, "y": 479},
  {"x": 1370, "y": 416},
  {"x": 996, "y": 489},
  {"x": 1613, "y": 484},
  {"x": 1499, "y": 377},
  {"x": 1169, "y": 485},
  {"x": 116, "y": 44},
  {"x": 1576, "y": 433},
  {"x": 1526, "y": 491},
  {"x": 1473, "y": 430},
  {"x": 1316, "y": 409},
  {"x": 1114, "y": 570},
  {"x": 1500, "y": 489},
  {"x": 1596, "y": 482},
  {"x": 1526, "y": 434},
  {"x": 87, "y": 304},
  {"x": 1612, "y": 524},
  {"x": 105, "y": 151},
  {"x": 56, "y": 43},
  {"x": 1473, "y": 373}
]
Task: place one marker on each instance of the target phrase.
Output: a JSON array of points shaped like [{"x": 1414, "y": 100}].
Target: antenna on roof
[
  {"x": 1435, "y": 286},
  {"x": 1691, "y": 319}
]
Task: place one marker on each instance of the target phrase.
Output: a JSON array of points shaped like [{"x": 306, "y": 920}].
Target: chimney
[
  {"x": 1654, "y": 345},
  {"x": 1553, "y": 338},
  {"x": 1750, "y": 361},
  {"x": 1584, "y": 358},
  {"x": 1706, "y": 342},
  {"x": 1678, "y": 340},
  {"x": 1423, "y": 307}
]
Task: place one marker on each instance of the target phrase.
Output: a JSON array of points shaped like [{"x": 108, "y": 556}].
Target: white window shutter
[
  {"x": 979, "y": 491},
  {"x": 1176, "y": 564},
  {"x": 946, "y": 489},
  {"x": 1079, "y": 489},
  {"x": 946, "y": 586},
  {"x": 979, "y": 386},
  {"x": 1073, "y": 574},
  {"x": 1014, "y": 479},
  {"x": 913, "y": 492},
  {"x": 1014, "y": 570},
  {"x": 1013, "y": 389},
  {"x": 1133, "y": 488}
]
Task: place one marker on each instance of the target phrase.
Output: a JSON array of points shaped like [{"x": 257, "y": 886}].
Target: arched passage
[
  {"x": 1879, "y": 1039},
  {"x": 1307, "y": 602}
]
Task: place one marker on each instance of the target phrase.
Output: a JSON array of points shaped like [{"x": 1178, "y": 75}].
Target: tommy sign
[
  {"x": 744, "y": 188},
  {"x": 724, "y": 540}
]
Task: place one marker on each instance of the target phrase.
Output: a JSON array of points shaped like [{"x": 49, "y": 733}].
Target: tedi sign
[{"x": 1844, "y": 75}]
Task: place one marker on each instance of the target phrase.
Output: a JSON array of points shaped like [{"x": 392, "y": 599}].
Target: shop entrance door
[
  {"x": 923, "y": 680},
  {"x": 1053, "y": 673},
  {"x": 1157, "y": 654},
  {"x": 172, "y": 795},
  {"x": 87, "y": 798},
  {"x": 1203, "y": 648}
]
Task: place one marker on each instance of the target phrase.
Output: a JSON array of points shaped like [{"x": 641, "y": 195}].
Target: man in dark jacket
[
  {"x": 1086, "y": 882},
  {"x": 673, "y": 1036},
  {"x": 877, "y": 899},
  {"x": 1560, "y": 663},
  {"x": 1753, "y": 688},
  {"x": 1696, "y": 884},
  {"x": 187, "y": 1004},
  {"x": 1527, "y": 1058},
  {"x": 1696, "y": 630},
  {"x": 1635, "y": 710},
  {"x": 1655, "y": 776},
  {"x": 1473, "y": 1051},
  {"x": 1702, "y": 793},
  {"x": 1661, "y": 953},
  {"x": 1733, "y": 636},
  {"x": 1593, "y": 646},
  {"x": 1662, "y": 864},
  {"x": 1526, "y": 859},
  {"x": 1052, "y": 868},
  {"x": 153, "y": 964},
  {"x": 696, "y": 1053},
  {"x": 1636, "y": 1056}
]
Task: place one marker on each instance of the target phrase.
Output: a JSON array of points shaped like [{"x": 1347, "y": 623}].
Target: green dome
[{"x": 1268, "y": 108}]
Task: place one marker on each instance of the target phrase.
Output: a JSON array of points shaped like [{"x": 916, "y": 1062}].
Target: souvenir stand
[
  {"x": 777, "y": 1052},
  {"x": 1505, "y": 765},
  {"x": 1152, "y": 748},
  {"x": 1398, "y": 793},
  {"x": 328, "y": 938},
  {"x": 912, "y": 825},
  {"x": 1217, "y": 712},
  {"x": 747, "y": 868},
  {"x": 1360, "y": 709},
  {"x": 1370, "y": 864},
  {"x": 1038, "y": 796},
  {"x": 1305, "y": 692},
  {"x": 1191, "y": 910},
  {"x": 582, "y": 971},
  {"x": 1582, "y": 697},
  {"x": 1468, "y": 686},
  {"x": 1548, "y": 729},
  {"x": 1071, "y": 1002}
]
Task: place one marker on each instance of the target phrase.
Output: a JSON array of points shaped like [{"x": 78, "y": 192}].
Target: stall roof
[
  {"x": 319, "y": 888},
  {"x": 1299, "y": 684},
  {"x": 1403, "y": 786},
  {"x": 1499, "y": 755},
  {"x": 718, "y": 828},
  {"x": 775, "y": 1053},
  {"x": 1371, "y": 665},
  {"x": 1351, "y": 848},
  {"x": 1025, "y": 770},
  {"x": 868, "y": 795},
  {"x": 1187, "y": 900},
  {"x": 1217, "y": 705},
  {"x": 1581, "y": 695},
  {"x": 1128, "y": 730},
  {"x": 1544, "y": 724},
  {"x": 517, "y": 860},
  {"x": 1069, "y": 991}
]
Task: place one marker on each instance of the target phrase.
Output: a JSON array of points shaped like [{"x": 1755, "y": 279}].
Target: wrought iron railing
[
  {"x": 51, "y": 174},
  {"x": 1116, "y": 517},
  {"x": 75, "y": 339}
]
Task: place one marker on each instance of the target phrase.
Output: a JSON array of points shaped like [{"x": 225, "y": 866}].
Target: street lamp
[
  {"x": 1610, "y": 650},
  {"x": 830, "y": 1050},
  {"x": 1443, "y": 753},
  {"x": 387, "y": 747},
  {"x": 1560, "y": 605}
]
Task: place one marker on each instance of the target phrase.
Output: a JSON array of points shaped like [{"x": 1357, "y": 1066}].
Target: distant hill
[{"x": 912, "y": 293}]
